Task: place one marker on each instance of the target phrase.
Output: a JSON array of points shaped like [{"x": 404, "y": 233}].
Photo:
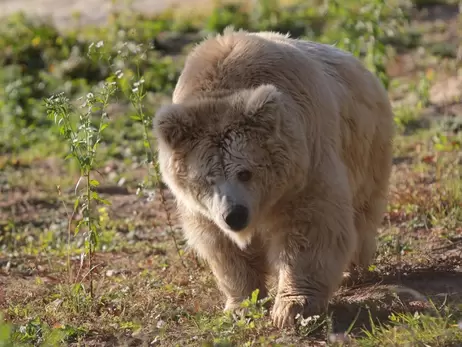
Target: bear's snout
[{"x": 237, "y": 218}]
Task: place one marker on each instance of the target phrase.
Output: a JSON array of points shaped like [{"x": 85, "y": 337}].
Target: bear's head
[{"x": 223, "y": 156}]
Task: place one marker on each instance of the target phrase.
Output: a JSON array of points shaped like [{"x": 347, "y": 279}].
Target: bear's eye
[{"x": 244, "y": 175}]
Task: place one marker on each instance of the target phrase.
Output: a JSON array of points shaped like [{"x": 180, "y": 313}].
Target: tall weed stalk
[
  {"x": 83, "y": 140},
  {"x": 136, "y": 95},
  {"x": 82, "y": 128}
]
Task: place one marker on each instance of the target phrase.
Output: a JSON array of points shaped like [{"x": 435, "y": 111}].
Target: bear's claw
[{"x": 285, "y": 310}]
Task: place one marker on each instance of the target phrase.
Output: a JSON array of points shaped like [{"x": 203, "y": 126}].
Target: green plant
[
  {"x": 83, "y": 141},
  {"x": 421, "y": 329},
  {"x": 136, "y": 94},
  {"x": 85, "y": 137},
  {"x": 5, "y": 333}
]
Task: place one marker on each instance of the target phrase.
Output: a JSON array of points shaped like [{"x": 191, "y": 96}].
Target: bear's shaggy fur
[{"x": 279, "y": 153}]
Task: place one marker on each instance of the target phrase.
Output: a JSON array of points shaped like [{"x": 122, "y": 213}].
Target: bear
[{"x": 278, "y": 152}]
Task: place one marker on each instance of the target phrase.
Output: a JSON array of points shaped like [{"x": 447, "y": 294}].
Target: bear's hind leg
[
  {"x": 367, "y": 221},
  {"x": 370, "y": 211}
]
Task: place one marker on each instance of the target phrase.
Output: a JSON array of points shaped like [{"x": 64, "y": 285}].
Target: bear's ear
[
  {"x": 263, "y": 105},
  {"x": 172, "y": 125}
]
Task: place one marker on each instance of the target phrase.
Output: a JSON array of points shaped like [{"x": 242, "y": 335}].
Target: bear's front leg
[
  {"x": 314, "y": 248},
  {"x": 237, "y": 272}
]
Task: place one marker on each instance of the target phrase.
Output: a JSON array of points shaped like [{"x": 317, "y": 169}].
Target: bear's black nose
[{"x": 238, "y": 218}]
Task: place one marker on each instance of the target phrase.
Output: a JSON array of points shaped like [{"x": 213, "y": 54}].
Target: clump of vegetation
[{"x": 100, "y": 256}]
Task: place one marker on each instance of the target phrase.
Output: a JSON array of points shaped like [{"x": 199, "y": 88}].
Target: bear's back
[{"x": 239, "y": 59}]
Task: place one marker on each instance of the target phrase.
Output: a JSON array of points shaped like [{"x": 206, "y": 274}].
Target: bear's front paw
[{"x": 287, "y": 308}]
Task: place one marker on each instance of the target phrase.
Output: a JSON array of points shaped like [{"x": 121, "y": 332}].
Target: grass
[{"x": 90, "y": 251}]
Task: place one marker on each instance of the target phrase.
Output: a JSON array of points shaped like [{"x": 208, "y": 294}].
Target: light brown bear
[{"x": 279, "y": 153}]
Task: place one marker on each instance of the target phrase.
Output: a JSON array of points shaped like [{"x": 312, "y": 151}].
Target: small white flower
[
  {"x": 119, "y": 74},
  {"x": 140, "y": 82},
  {"x": 305, "y": 321}
]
